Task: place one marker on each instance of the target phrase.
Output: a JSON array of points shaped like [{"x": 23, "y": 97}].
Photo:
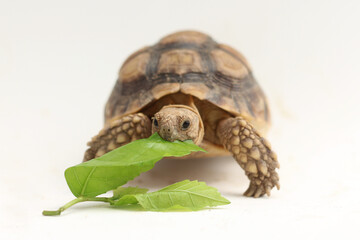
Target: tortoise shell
[{"x": 191, "y": 63}]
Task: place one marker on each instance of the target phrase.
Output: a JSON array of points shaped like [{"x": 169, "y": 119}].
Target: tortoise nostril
[{"x": 165, "y": 129}]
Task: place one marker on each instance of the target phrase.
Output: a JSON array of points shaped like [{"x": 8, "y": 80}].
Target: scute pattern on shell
[{"x": 192, "y": 63}]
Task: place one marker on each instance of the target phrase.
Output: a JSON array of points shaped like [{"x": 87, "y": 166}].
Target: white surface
[{"x": 58, "y": 64}]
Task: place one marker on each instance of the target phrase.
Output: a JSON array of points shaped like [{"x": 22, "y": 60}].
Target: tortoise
[{"x": 187, "y": 86}]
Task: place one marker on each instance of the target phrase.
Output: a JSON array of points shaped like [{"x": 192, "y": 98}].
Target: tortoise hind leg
[
  {"x": 120, "y": 132},
  {"x": 252, "y": 152}
]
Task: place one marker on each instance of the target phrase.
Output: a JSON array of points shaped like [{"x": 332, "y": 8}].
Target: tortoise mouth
[
  {"x": 167, "y": 133},
  {"x": 167, "y": 137}
]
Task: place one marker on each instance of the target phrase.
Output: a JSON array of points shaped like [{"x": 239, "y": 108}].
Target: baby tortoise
[{"x": 187, "y": 86}]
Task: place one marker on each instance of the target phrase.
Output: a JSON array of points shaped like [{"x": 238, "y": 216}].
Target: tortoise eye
[
  {"x": 185, "y": 125},
  {"x": 156, "y": 124}
]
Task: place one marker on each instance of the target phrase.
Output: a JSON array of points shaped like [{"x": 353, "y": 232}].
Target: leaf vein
[
  {"x": 192, "y": 201},
  {"x": 171, "y": 200},
  {"x": 87, "y": 181},
  {"x": 151, "y": 203}
]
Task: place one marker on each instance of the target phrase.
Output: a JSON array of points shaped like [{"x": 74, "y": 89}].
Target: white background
[{"x": 58, "y": 64}]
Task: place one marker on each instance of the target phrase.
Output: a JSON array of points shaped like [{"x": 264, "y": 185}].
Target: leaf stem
[{"x": 75, "y": 201}]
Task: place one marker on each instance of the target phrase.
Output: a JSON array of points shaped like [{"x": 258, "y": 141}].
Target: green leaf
[
  {"x": 125, "y": 200},
  {"x": 124, "y": 195},
  {"x": 186, "y": 194},
  {"x": 122, "y": 191},
  {"x": 123, "y": 164}
]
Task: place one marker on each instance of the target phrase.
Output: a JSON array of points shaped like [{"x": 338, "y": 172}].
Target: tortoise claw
[{"x": 250, "y": 191}]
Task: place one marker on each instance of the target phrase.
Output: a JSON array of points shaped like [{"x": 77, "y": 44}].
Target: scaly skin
[
  {"x": 252, "y": 152},
  {"x": 120, "y": 132}
]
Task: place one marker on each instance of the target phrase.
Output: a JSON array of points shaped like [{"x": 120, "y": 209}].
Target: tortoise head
[{"x": 178, "y": 122}]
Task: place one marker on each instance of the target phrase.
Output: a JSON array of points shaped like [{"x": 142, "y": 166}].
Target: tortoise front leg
[
  {"x": 120, "y": 132},
  {"x": 252, "y": 152}
]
